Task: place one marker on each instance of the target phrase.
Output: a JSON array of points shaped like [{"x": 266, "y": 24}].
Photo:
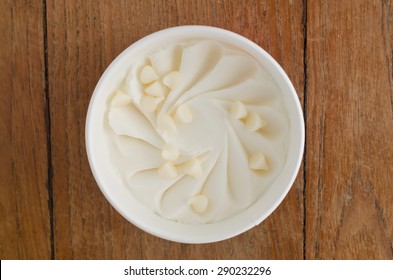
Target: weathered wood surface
[
  {"x": 349, "y": 170},
  {"x": 338, "y": 54},
  {"x": 24, "y": 212}
]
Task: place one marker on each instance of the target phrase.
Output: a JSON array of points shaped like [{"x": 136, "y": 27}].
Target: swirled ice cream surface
[{"x": 198, "y": 130}]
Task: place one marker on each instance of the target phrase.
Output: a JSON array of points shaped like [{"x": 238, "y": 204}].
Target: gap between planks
[
  {"x": 49, "y": 184},
  {"x": 304, "y": 23}
]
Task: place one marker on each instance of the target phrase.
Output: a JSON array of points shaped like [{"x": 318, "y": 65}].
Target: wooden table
[{"x": 338, "y": 54}]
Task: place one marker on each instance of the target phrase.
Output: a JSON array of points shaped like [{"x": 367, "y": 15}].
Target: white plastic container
[{"x": 119, "y": 195}]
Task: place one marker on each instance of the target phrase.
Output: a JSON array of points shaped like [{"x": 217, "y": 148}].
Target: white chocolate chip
[
  {"x": 156, "y": 89},
  {"x": 149, "y": 103},
  {"x": 120, "y": 99},
  {"x": 168, "y": 170},
  {"x": 172, "y": 79},
  {"x": 170, "y": 152},
  {"x": 258, "y": 162},
  {"x": 183, "y": 114},
  {"x": 254, "y": 122},
  {"x": 148, "y": 75},
  {"x": 238, "y": 110},
  {"x": 199, "y": 203},
  {"x": 166, "y": 123},
  {"x": 193, "y": 168}
]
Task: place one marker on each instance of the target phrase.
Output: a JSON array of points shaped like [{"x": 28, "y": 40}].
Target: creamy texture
[{"x": 199, "y": 131}]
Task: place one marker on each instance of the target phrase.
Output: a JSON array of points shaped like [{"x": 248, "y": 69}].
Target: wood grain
[
  {"x": 339, "y": 55},
  {"x": 350, "y": 130},
  {"x": 24, "y": 212},
  {"x": 83, "y": 38}
]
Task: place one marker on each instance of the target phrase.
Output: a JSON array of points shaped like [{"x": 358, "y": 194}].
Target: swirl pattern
[{"x": 199, "y": 131}]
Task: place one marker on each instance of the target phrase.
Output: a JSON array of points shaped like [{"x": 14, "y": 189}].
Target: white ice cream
[{"x": 199, "y": 131}]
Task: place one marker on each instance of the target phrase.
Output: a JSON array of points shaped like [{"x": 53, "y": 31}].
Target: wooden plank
[
  {"x": 349, "y": 124},
  {"x": 24, "y": 213},
  {"x": 84, "y": 37}
]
